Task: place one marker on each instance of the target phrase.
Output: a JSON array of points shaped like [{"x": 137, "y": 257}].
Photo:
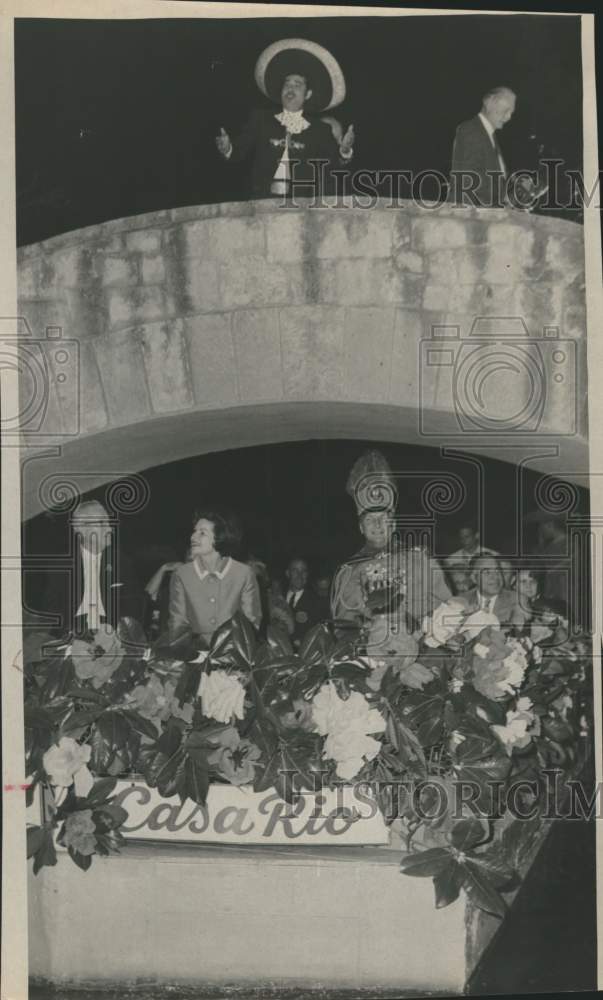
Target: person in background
[
  {"x": 207, "y": 591},
  {"x": 460, "y": 578},
  {"x": 281, "y": 616},
  {"x": 470, "y": 547},
  {"x": 508, "y": 572},
  {"x": 553, "y": 547},
  {"x": 479, "y": 171},
  {"x": 157, "y": 590},
  {"x": 322, "y": 589},
  {"x": 302, "y": 600},
  {"x": 260, "y": 568}
]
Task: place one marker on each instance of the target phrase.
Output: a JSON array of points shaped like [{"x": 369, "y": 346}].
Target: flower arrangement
[{"x": 466, "y": 701}]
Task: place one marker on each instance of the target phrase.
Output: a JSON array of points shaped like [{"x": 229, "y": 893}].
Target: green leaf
[
  {"x": 466, "y": 834},
  {"x": 46, "y": 854},
  {"x": 83, "y": 861},
  {"x": 115, "y": 729},
  {"x": 425, "y": 713},
  {"x": 101, "y": 790},
  {"x": 426, "y": 863},
  {"x": 278, "y": 641},
  {"x": 36, "y": 836},
  {"x": 448, "y": 885},
  {"x": 78, "y": 722},
  {"x": 188, "y": 683},
  {"x": 101, "y": 752},
  {"x": 196, "y": 779},
  {"x": 139, "y": 724},
  {"x": 244, "y": 639},
  {"x": 481, "y": 891},
  {"x": 317, "y": 646}
]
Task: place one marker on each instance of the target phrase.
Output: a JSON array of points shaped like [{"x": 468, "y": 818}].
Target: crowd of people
[{"x": 211, "y": 584}]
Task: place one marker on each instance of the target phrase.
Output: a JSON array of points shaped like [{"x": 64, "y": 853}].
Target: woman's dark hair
[
  {"x": 536, "y": 575},
  {"x": 227, "y": 530}
]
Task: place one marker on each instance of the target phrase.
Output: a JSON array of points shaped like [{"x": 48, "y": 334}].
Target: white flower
[
  {"x": 63, "y": 760},
  {"x": 481, "y": 650},
  {"x": 456, "y": 738},
  {"x": 347, "y": 725},
  {"x": 515, "y": 664},
  {"x": 537, "y": 654},
  {"x": 222, "y": 696},
  {"x": 443, "y": 623},
  {"x": 477, "y": 622},
  {"x": 456, "y": 685},
  {"x": 563, "y": 703},
  {"x": 517, "y": 730}
]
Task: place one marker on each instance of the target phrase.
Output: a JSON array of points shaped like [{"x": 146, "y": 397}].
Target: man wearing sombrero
[{"x": 292, "y": 151}]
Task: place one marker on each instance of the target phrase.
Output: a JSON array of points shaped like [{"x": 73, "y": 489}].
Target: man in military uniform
[{"x": 381, "y": 560}]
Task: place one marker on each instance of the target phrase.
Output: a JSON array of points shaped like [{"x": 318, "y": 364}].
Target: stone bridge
[{"x": 150, "y": 339}]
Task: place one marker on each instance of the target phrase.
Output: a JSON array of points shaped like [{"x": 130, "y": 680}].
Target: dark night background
[{"x": 117, "y": 118}]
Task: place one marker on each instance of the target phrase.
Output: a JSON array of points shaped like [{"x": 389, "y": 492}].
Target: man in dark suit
[
  {"x": 97, "y": 584},
  {"x": 302, "y": 600},
  {"x": 479, "y": 172},
  {"x": 292, "y": 152}
]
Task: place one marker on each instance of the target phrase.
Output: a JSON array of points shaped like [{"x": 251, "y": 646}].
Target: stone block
[
  {"x": 253, "y": 282},
  {"x": 495, "y": 300},
  {"x": 71, "y": 268},
  {"x": 258, "y": 355},
  {"x": 144, "y": 240},
  {"x": 363, "y": 282},
  {"x": 574, "y": 323},
  {"x": 223, "y": 238},
  {"x": 407, "y": 260},
  {"x": 42, "y": 313},
  {"x": 565, "y": 258},
  {"x": 211, "y": 358},
  {"x": 540, "y": 305},
  {"x": 120, "y": 270},
  {"x": 410, "y": 331},
  {"x": 128, "y": 307},
  {"x": 368, "y": 344},
  {"x": 93, "y": 410},
  {"x": 165, "y": 355},
  {"x": 153, "y": 270},
  {"x": 286, "y": 236},
  {"x": 311, "y": 334},
  {"x": 365, "y": 234},
  {"x": 194, "y": 285},
  {"x": 436, "y": 296},
  {"x": 120, "y": 362},
  {"x": 434, "y": 233}
]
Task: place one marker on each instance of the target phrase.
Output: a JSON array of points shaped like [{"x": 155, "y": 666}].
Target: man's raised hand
[{"x": 223, "y": 143}]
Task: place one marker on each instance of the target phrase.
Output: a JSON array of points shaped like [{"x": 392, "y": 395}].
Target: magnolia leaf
[
  {"x": 244, "y": 639},
  {"x": 45, "y": 854},
  {"x": 83, "y": 861},
  {"x": 466, "y": 834},
  {"x": 36, "y": 835},
  {"x": 448, "y": 885},
  {"x": 426, "y": 863},
  {"x": 78, "y": 722},
  {"x": 101, "y": 790},
  {"x": 278, "y": 641},
  {"x": 196, "y": 779},
  {"x": 481, "y": 891},
  {"x": 115, "y": 729},
  {"x": 316, "y": 646}
]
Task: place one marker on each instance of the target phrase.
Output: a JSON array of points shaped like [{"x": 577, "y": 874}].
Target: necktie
[{"x": 292, "y": 599}]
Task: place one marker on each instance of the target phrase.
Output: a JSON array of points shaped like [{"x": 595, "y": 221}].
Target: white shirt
[
  {"x": 92, "y": 601},
  {"x": 295, "y": 594},
  {"x": 487, "y": 603},
  {"x": 490, "y": 130}
]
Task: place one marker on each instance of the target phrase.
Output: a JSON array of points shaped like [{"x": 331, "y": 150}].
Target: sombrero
[
  {"x": 371, "y": 484},
  {"x": 315, "y": 63}
]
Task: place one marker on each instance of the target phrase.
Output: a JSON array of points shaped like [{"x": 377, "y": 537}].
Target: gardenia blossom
[
  {"x": 517, "y": 730},
  {"x": 222, "y": 696},
  {"x": 443, "y": 623},
  {"x": 99, "y": 659},
  {"x": 63, "y": 760},
  {"x": 497, "y": 676},
  {"x": 347, "y": 725}
]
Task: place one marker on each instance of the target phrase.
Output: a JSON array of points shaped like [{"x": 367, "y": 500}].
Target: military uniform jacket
[{"x": 425, "y": 584}]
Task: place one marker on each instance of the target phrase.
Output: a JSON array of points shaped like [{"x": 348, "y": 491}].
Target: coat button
[{"x": 212, "y": 621}]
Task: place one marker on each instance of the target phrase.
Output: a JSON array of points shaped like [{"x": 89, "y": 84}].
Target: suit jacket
[
  {"x": 307, "y": 613},
  {"x": 120, "y": 590},
  {"x": 504, "y": 605},
  {"x": 426, "y": 586},
  {"x": 263, "y": 138},
  {"x": 473, "y": 152},
  {"x": 203, "y": 604}
]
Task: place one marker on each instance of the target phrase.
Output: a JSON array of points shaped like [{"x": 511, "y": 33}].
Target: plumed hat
[
  {"x": 371, "y": 484},
  {"x": 308, "y": 59}
]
